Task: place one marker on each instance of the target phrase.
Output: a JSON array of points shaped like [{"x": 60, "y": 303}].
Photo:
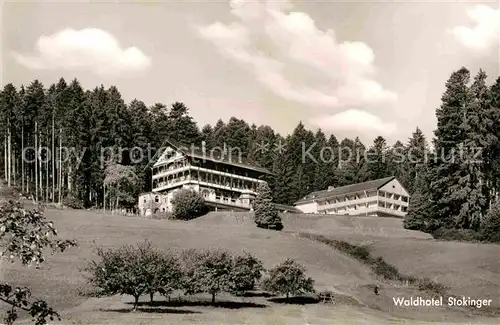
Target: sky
[{"x": 359, "y": 68}]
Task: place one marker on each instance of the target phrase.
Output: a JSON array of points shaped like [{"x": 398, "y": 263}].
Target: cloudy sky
[{"x": 351, "y": 68}]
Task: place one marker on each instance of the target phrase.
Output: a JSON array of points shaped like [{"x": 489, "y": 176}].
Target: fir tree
[
  {"x": 446, "y": 192},
  {"x": 265, "y": 213}
]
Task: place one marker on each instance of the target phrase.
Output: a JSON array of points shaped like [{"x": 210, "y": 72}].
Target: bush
[
  {"x": 73, "y": 202},
  {"x": 490, "y": 228},
  {"x": 246, "y": 271},
  {"x": 161, "y": 215},
  {"x": 133, "y": 270},
  {"x": 456, "y": 234},
  {"x": 188, "y": 204},
  {"x": 426, "y": 284},
  {"x": 265, "y": 212},
  {"x": 288, "y": 278},
  {"x": 386, "y": 270}
]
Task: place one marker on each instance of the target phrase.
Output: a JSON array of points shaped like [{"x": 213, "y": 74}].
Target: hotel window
[{"x": 156, "y": 199}]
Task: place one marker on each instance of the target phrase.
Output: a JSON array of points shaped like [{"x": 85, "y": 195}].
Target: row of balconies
[
  {"x": 228, "y": 184},
  {"x": 188, "y": 167},
  {"x": 176, "y": 165},
  {"x": 363, "y": 205},
  {"x": 349, "y": 200},
  {"x": 363, "y": 210}
]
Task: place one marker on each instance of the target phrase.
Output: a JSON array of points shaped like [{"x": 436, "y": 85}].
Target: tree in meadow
[
  {"x": 132, "y": 270},
  {"x": 245, "y": 273},
  {"x": 289, "y": 279},
  {"x": 265, "y": 213},
  {"x": 207, "y": 271}
]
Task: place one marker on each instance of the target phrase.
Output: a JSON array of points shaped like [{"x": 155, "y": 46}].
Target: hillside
[{"x": 60, "y": 277}]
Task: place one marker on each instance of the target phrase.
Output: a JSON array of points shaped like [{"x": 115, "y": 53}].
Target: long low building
[{"x": 380, "y": 197}]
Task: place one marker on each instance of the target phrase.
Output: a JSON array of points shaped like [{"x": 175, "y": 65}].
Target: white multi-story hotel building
[
  {"x": 224, "y": 184},
  {"x": 381, "y": 197}
]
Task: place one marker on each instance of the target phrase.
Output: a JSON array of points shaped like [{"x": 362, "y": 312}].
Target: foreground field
[{"x": 60, "y": 278}]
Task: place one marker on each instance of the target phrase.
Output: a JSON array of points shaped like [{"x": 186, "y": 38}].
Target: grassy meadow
[{"x": 467, "y": 269}]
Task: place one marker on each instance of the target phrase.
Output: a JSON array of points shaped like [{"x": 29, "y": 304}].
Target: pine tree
[
  {"x": 182, "y": 128},
  {"x": 238, "y": 138},
  {"x": 446, "y": 192},
  {"x": 473, "y": 183},
  {"x": 282, "y": 175},
  {"x": 265, "y": 213},
  {"x": 299, "y": 144},
  {"x": 377, "y": 159},
  {"x": 324, "y": 157},
  {"x": 494, "y": 152}
]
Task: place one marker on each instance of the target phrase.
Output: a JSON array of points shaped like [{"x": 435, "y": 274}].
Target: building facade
[
  {"x": 224, "y": 184},
  {"x": 381, "y": 197}
]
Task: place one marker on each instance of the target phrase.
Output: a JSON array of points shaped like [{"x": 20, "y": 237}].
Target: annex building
[
  {"x": 384, "y": 197},
  {"x": 223, "y": 183}
]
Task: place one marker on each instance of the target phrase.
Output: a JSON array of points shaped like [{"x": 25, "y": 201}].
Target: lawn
[{"x": 60, "y": 278}]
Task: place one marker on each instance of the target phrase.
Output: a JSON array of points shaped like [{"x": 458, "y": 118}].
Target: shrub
[
  {"x": 265, "y": 212},
  {"x": 425, "y": 284},
  {"x": 133, "y": 270},
  {"x": 246, "y": 271},
  {"x": 73, "y": 202},
  {"x": 207, "y": 271},
  {"x": 456, "y": 234},
  {"x": 386, "y": 270},
  {"x": 188, "y": 204},
  {"x": 490, "y": 228},
  {"x": 288, "y": 278},
  {"x": 161, "y": 215}
]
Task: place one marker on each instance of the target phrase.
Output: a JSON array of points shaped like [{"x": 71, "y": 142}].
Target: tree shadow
[
  {"x": 151, "y": 311},
  {"x": 197, "y": 303},
  {"x": 295, "y": 300},
  {"x": 250, "y": 294}
]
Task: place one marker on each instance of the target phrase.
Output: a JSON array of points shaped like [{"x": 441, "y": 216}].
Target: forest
[{"x": 70, "y": 128}]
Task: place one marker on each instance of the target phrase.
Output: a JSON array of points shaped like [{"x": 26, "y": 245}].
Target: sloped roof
[
  {"x": 348, "y": 189},
  {"x": 289, "y": 208},
  {"x": 196, "y": 152}
]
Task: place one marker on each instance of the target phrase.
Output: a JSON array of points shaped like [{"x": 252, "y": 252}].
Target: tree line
[
  {"x": 55, "y": 137},
  {"x": 456, "y": 189},
  {"x": 459, "y": 190}
]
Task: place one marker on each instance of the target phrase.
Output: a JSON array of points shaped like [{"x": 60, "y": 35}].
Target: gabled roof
[
  {"x": 198, "y": 153},
  {"x": 348, "y": 189}
]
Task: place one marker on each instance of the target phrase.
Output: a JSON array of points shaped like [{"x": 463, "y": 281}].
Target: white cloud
[
  {"x": 355, "y": 120},
  {"x": 89, "y": 49},
  {"x": 485, "y": 33},
  {"x": 296, "y": 60}
]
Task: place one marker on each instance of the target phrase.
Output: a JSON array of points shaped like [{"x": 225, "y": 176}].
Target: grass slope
[{"x": 60, "y": 277}]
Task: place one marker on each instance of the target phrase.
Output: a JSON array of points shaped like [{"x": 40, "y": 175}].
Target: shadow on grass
[
  {"x": 217, "y": 304},
  {"x": 151, "y": 311},
  {"x": 256, "y": 294},
  {"x": 295, "y": 300}
]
